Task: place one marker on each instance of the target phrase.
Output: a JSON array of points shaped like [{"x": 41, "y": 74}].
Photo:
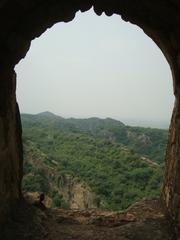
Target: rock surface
[
  {"x": 75, "y": 193},
  {"x": 142, "y": 221}
]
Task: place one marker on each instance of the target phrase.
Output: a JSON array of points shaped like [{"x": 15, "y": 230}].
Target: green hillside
[{"x": 121, "y": 164}]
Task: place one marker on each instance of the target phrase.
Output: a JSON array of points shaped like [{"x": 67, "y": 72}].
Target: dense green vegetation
[{"x": 121, "y": 164}]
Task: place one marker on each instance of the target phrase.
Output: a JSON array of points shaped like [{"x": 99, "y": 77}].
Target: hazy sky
[{"x": 96, "y": 66}]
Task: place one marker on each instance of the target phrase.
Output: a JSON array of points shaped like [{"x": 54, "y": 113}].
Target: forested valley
[{"x": 118, "y": 164}]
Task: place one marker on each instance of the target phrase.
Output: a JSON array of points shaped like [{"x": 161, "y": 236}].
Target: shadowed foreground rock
[{"x": 142, "y": 221}]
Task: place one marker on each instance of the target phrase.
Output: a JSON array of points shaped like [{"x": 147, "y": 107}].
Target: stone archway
[{"x": 22, "y": 21}]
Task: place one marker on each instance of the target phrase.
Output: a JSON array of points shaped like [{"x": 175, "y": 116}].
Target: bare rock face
[
  {"x": 10, "y": 144},
  {"x": 75, "y": 193},
  {"x": 22, "y": 21}
]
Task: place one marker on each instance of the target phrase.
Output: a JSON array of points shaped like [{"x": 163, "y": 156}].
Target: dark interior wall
[
  {"x": 10, "y": 142},
  {"x": 23, "y": 20}
]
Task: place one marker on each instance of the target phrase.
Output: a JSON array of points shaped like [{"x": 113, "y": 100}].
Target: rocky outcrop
[
  {"x": 75, "y": 193},
  {"x": 22, "y": 21},
  {"x": 143, "y": 138},
  {"x": 71, "y": 192}
]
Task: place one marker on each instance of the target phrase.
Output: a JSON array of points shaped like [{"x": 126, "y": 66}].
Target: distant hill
[
  {"x": 119, "y": 163},
  {"x": 161, "y": 124}
]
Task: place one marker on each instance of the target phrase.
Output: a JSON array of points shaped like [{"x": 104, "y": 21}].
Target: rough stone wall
[
  {"x": 171, "y": 186},
  {"x": 23, "y": 20},
  {"x": 10, "y": 143}
]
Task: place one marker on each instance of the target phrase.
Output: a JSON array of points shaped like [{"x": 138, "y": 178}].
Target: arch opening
[
  {"x": 102, "y": 81},
  {"x": 24, "y": 21}
]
